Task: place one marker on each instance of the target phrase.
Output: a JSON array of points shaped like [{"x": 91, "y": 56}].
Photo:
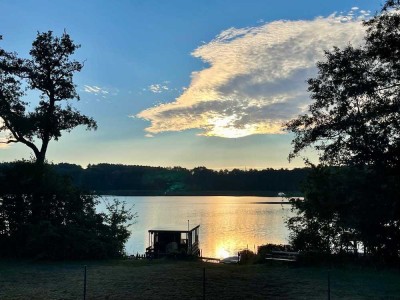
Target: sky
[{"x": 187, "y": 83}]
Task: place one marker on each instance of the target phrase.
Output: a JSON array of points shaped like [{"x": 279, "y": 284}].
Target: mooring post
[
  {"x": 84, "y": 284},
  {"x": 204, "y": 283},
  {"x": 329, "y": 285}
]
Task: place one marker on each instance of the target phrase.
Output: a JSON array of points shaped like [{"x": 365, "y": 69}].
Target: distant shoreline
[
  {"x": 199, "y": 193},
  {"x": 270, "y": 202}
]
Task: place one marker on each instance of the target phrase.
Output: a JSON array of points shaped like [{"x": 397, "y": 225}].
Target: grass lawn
[{"x": 167, "y": 279}]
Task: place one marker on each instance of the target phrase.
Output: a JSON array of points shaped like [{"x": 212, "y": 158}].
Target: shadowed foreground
[{"x": 183, "y": 280}]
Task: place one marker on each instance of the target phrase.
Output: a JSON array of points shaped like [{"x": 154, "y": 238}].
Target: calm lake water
[{"x": 227, "y": 224}]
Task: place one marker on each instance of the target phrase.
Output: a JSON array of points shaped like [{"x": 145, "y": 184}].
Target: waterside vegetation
[{"x": 352, "y": 198}]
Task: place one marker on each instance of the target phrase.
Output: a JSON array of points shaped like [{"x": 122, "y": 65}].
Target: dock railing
[{"x": 290, "y": 256}]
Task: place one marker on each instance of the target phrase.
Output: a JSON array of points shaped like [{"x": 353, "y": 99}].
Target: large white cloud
[{"x": 256, "y": 78}]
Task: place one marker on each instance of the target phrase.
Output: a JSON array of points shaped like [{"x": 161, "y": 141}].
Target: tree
[
  {"x": 354, "y": 123},
  {"x": 355, "y": 116},
  {"x": 42, "y": 214},
  {"x": 50, "y": 72},
  {"x": 345, "y": 209}
]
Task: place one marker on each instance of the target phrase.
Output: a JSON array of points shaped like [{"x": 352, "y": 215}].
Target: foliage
[
  {"x": 117, "y": 221},
  {"x": 346, "y": 209},
  {"x": 247, "y": 256},
  {"x": 354, "y": 119},
  {"x": 42, "y": 215},
  {"x": 351, "y": 200},
  {"x": 49, "y": 72}
]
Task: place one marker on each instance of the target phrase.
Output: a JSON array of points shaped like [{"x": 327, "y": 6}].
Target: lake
[{"x": 227, "y": 223}]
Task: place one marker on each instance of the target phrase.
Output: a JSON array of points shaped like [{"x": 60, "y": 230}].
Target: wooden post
[
  {"x": 84, "y": 285},
  {"x": 204, "y": 283},
  {"x": 329, "y": 286}
]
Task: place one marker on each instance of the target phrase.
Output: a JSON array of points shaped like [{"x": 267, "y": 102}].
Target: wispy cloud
[
  {"x": 101, "y": 93},
  {"x": 96, "y": 90},
  {"x": 255, "y": 79},
  {"x": 158, "y": 88}
]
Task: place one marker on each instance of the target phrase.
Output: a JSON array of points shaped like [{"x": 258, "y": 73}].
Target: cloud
[
  {"x": 92, "y": 89},
  {"x": 100, "y": 91},
  {"x": 255, "y": 78},
  {"x": 158, "y": 88},
  {"x": 3, "y": 136}
]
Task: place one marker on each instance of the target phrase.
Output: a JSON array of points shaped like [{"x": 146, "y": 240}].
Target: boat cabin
[{"x": 164, "y": 242}]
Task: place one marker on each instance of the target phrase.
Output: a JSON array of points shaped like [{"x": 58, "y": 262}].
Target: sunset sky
[{"x": 187, "y": 83}]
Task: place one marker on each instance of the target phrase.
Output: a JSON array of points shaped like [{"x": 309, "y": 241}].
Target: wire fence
[{"x": 192, "y": 280}]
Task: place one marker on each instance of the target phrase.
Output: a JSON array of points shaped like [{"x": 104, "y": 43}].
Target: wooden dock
[{"x": 210, "y": 259}]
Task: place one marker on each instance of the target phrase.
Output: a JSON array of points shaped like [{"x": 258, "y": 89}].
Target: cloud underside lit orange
[{"x": 255, "y": 79}]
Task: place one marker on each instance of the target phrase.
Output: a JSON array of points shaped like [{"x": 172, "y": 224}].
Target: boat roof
[{"x": 172, "y": 229}]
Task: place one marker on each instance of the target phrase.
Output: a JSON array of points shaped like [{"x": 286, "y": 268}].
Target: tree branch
[
  {"x": 19, "y": 138},
  {"x": 9, "y": 142},
  {"x": 388, "y": 87}
]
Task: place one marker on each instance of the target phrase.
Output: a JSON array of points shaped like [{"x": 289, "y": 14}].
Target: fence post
[
  {"x": 329, "y": 285},
  {"x": 84, "y": 285},
  {"x": 204, "y": 283}
]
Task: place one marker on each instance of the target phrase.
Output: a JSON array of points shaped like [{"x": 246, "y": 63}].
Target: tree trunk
[{"x": 40, "y": 158}]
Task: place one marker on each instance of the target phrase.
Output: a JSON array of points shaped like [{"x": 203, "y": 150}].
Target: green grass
[{"x": 163, "y": 279}]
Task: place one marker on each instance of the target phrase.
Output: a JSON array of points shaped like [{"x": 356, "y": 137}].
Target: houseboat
[{"x": 173, "y": 241}]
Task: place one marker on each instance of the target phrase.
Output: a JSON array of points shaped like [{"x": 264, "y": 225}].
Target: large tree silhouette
[
  {"x": 48, "y": 71},
  {"x": 354, "y": 119},
  {"x": 354, "y": 123},
  {"x": 42, "y": 214}
]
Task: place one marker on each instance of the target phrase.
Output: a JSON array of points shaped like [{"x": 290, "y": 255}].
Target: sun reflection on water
[
  {"x": 222, "y": 253},
  {"x": 227, "y": 224},
  {"x": 233, "y": 225}
]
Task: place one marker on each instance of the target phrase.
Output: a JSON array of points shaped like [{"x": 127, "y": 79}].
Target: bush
[
  {"x": 247, "y": 257},
  {"x": 42, "y": 215}
]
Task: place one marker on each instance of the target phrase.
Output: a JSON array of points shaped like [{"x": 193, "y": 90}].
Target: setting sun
[{"x": 225, "y": 127}]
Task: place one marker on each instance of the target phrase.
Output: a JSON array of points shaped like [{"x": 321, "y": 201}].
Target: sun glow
[
  {"x": 225, "y": 127},
  {"x": 222, "y": 253},
  {"x": 229, "y": 127}
]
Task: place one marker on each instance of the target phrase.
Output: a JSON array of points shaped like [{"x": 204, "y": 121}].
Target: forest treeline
[{"x": 145, "y": 180}]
